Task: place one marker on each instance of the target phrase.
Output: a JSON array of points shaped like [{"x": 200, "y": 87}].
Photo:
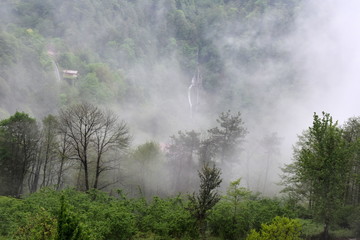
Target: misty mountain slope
[
  {"x": 157, "y": 45},
  {"x": 25, "y": 81},
  {"x": 139, "y": 57}
]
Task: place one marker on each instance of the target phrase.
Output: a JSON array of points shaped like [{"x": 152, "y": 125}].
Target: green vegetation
[
  {"x": 50, "y": 214},
  {"x": 281, "y": 228},
  {"x": 60, "y": 173},
  {"x": 84, "y": 141}
]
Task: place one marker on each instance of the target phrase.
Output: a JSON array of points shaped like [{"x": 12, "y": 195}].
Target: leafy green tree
[
  {"x": 322, "y": 164},
  {"x": 351, "y": 130},
  {"x": 227, "y": 219},
  {"x": 19, "y": 137},
  {"x": 281, "y": 228},
  {"x": 207, "y": 197}
]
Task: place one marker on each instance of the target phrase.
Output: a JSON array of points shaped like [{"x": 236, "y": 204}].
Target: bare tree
[
  {"x": 91, "y": 130},
  {"x": 49, "y": 145},
  {"x": 79, "y": 123},
  {"x": 112, "y": 135},
  {"x": 63, "y": 151}
]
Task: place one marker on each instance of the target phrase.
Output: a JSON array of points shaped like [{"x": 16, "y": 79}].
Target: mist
[{"x": 276, "y": 73}]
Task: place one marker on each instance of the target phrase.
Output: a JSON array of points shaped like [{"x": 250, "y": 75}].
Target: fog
[
  {"x": 314, "y": 68},
  {"x": 325, "y": 53}
]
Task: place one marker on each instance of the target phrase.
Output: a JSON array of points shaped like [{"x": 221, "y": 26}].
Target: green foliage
[
  {"x": 41, "y": 225},
  {"x": 68, "y": 226},
  {"x": 354, "y": 220},
  {"x": 224, "y": 139},
  {"x": 146, "y": 152},
  {"x": 92, "y": 90},
  {"x": 12, "y": 215},
  {"x": 227, "y": 219},
  {"x": 281, "y": 228},
  {"x": 18, "y": 145},
  {"x": 101, "y": 216},
  {"x": 35, "y": 14},
  {"x": 310, "y": 228},
  {"x": 69, "y": 61},
  {"x": 233, "y": 218},
  {"x": 322, "y": 165},
  {"x": 165, "y": 217},
  {"x": 207, "y": 197},
  {"x": 8, "y": 49}
]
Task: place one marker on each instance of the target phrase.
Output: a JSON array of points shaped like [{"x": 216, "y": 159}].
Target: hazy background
[{"x": 276, "y": 66}]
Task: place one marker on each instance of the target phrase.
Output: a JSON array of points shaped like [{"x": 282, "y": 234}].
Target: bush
[
  {"x": 310, "y": 228},
  {"x": 11, "y": 215},
  {"x": 41, "y": 225},
  {"x": 165, "y": 217},
  {"x": 95, "y": 214},
  {"x": 281, "y": 228},
  {"x": 250, "y": 214}
]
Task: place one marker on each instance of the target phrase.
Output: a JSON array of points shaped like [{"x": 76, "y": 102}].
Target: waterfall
[{"x": 56, "y": 71}]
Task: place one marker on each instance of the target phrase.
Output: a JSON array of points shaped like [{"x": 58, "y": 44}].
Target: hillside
[{"x": 137, "y": 53}]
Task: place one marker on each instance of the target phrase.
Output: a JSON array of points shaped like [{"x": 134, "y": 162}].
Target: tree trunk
[
  {"x": 97, "y": 172},
  {"x": 86, "y": 173},
  {"x": 326, "y": 232},
  {"x": 43, "y": 184},
  {"x": 60, "y": 172},
  {"x": 202, "y": 226}
]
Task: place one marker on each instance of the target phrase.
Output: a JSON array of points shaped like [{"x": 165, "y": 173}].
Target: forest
[{"x": 173, "y": 119}]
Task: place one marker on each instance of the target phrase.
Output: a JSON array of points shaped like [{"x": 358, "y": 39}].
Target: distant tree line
[
  {"x": 320, "y": 186},
  {"x": 82, "y": 137},
  {"x": 84, "y": 142}
]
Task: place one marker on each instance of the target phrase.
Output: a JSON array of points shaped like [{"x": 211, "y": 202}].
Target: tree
[
  {"x": 321, "y": 163},
  {"x": 63, "y": 152},
  {"x": 147, "y": 158},
  {"x": 41, "y": 172},
  {"x": 111, "y": 135},
  {"x": 183, "y": 153},
  {"x": 225, "y": 139},
  {"x": 270, "y": 144},
  {"x": 229, "y": 218},
  {"x": 92, "y": 131},
  {"x": 79, "y": 123},
  {"x": 19, "y": 137},
  {"x": 207, "y": 196},
  {"x": 236, "y": 194},
  {"x": 351, "y": 130}
]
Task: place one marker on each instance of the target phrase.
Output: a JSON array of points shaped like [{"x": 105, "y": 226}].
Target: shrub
[
  {"x": 165, "y": 217},
  {"x": 281, "y": 228}
]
